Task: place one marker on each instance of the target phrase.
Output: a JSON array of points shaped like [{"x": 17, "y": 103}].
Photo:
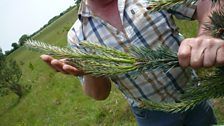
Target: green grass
[{"x": 58, "y": 100}]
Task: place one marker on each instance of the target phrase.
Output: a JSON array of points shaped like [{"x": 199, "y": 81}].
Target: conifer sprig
[
  {"x": 100, "y": 60},
  {"x": 170, "y": 107},
  {"x": 208, "y": 87},
  {"x": 152, "y": 59},
  {"x": 216, "y": 26},
  {"x": 157, "y": 5}
]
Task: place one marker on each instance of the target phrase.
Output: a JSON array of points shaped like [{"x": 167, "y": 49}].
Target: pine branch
[
  {"x": 209, "y": 87},
  {"x": 157, "y": 5},
  {"x": 100, "y": 60},
  {"x": 217, "y": 24},
  {"x": 170, "y": 107}
]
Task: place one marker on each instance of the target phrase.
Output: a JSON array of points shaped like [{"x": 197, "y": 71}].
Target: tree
[
  {"x": 10, "y": 74},
  {"x": 2, "y": 58},
  {"x": 1, "y": 54},
  {"x": 23, "y": 39},
  {"x": 8, "y": 52},
  {"x": 78, "y": 1},
  {"x": 15, "y": 46}
]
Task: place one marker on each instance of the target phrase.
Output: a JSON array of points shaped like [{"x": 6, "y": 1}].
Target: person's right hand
[{"x": 60, "y": 66}]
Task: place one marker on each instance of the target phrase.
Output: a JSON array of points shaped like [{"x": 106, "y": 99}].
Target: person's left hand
[{"x": 202, "y": 51}]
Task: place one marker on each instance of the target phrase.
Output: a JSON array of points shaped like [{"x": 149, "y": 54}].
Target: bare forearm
[{"x": 97, "y": 87}]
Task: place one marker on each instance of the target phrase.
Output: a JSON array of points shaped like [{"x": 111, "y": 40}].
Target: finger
[
  {"x": 184, "y": 55},
  {"x": 209, "y": 57},
  {"x": 220, "y": 56},
  {"x": 72, "y": 70},
  {"x": 197, "y": 58},
  {"x": 58, "y": 65},
  {"x": 47, "y": 59},
  {"x": 210, "y": 54},
  {"x": 197, "y": 52}
]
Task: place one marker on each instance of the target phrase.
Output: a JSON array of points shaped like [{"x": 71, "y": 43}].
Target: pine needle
[
  {"x": 209, "y": 87},
  {"x": 157, "y": 5},
  {"x": 99, "y": 60},
  {"x": 217, "y": 24}
]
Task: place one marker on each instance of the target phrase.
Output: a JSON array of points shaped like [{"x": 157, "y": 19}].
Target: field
[{"x": 57, "y": 100}]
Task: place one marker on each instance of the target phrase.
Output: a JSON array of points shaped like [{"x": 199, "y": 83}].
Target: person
[{"x": 122, "y": 23}]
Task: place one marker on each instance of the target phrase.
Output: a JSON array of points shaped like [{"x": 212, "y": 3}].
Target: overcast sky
[{"x": 20, "y": 17}]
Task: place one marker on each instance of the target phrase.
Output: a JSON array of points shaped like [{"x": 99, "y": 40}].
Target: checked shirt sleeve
[
  {"x": 74, "y": 37},
  {"x": 184, "y": 11}
]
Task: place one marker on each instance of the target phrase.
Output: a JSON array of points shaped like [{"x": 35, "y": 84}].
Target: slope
[{"x": 56, "y": 99}]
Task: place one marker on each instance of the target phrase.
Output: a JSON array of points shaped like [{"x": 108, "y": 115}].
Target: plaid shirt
[{"x": 142, "y": 28}]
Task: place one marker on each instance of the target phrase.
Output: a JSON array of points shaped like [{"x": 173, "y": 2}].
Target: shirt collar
[{"x": 84, "y": 10}]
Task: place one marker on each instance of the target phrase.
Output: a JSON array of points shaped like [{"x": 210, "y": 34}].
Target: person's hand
[
  {"x": 60, "y": 66},
  {"x": 202, "y": 51}
]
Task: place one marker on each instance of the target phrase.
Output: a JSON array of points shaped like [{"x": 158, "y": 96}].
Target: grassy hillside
[{"x": 58, "y": 100}]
